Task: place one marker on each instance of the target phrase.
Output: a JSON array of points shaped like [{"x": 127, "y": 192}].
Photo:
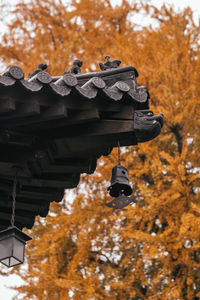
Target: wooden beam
[
  {"x": 126, "y": 113},
  {"x": 66, "y": 169},
  {"x": 27, "y": 220},
  {"x": 104, "y": 127},
  {"x": 29, "y": 206},
  {"x": 32, "y": 194},
  {"x": 14, "y": 138},
  {"x": 27, "y": 109},
  {"x": 54, "y": 112},
  {"x": 93, "y": 146},
  {"x": 36, "y": 189},
  {"x": 39, "y": 154},
  {"x": 84, "y": 116},
  {"x": 75, "y": 117},
  {"x": 75, "y": 103},
  {"x": 6, "y": 168},
  {"x": 16, "y": 154},
  {"x": 99, "y": 128},
  {"x": 71, "y": 168},
  {"x": 53, "y": 181},
  {"x": 7, "y": 105}
]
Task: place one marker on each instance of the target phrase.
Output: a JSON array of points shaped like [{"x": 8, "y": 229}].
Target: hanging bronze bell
[{"x": 119, "y": 182}]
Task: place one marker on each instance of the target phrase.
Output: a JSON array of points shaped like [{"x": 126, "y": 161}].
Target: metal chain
[
  {"x": 119, "y": 163},
  {"x": 14, "y": 200}
]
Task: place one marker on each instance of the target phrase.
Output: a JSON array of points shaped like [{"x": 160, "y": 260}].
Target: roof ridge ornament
[
  {"x": 109, "y": 64},
  {"x": 76, "y": 67},
  {"x": 41, "y": 67}
]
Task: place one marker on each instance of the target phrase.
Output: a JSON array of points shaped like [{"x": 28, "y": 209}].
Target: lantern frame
[{"x": 12, "y": 246}]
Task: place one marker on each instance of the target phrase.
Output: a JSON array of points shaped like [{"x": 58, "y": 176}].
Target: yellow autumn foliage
[{"x": 150, "y": 249}]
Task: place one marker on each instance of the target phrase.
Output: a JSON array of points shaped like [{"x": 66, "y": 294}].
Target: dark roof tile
[
  {"x": 31, "y": 85},
  {"x": 6, "y": 81}
]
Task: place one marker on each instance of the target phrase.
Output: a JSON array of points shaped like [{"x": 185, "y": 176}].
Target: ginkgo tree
[{"x": 150, "y": 249}]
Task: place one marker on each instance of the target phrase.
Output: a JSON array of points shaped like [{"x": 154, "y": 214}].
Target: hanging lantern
[
  {"x": 120, "y": 187},
  {"x": 12, "y": 239},
  {"x": 12, "y": 246}
]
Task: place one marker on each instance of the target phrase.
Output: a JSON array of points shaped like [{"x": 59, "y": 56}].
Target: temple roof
[{"x": 55, "y": 128}]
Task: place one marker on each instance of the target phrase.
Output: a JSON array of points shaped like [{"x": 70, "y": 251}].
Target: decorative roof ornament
[
  {"x": 76, "y": 68},
  {"x": 41, "y": 67},
  {"x": 109, "y": 64}
]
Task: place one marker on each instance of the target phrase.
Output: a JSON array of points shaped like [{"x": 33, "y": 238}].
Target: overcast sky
[{"x": 5, "y": 293}]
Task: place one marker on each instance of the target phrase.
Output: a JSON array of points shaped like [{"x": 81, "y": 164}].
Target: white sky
[{"x": 13, "y": 280}]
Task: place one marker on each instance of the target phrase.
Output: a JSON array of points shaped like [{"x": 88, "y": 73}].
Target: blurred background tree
[{"x": 150, "y": 249}]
